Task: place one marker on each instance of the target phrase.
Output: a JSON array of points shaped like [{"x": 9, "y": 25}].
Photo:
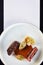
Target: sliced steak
[
  {"x": 34, "y": 51},
  {"x": 13, "y": 47}
]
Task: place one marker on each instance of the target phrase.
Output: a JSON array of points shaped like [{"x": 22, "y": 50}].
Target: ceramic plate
[{"x": 18, "y": 32}]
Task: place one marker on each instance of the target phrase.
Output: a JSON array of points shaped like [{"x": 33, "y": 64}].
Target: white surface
[
  {"x": 21, "y": 11},
  {"x": 18, "y": 32}
]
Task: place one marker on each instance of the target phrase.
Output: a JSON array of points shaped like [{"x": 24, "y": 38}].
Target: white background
[{"x": 21, "y": 11}]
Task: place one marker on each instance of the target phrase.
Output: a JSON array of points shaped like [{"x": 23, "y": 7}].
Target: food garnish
[
  {"x": 29, "y": 40},
  {"x": 19, "y": 57},
  {"x": 22, "y": 45}
]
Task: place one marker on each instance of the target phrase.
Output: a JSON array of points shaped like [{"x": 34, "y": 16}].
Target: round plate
[{"x": 18, "y": 32}]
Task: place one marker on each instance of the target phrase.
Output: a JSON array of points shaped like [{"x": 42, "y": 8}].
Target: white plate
[{"x": 18, "y": 32}]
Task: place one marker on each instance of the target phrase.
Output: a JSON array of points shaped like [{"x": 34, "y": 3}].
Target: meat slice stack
[
  {"x": 24, "y": 52},
  {"x": 28, "y": 52}
]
